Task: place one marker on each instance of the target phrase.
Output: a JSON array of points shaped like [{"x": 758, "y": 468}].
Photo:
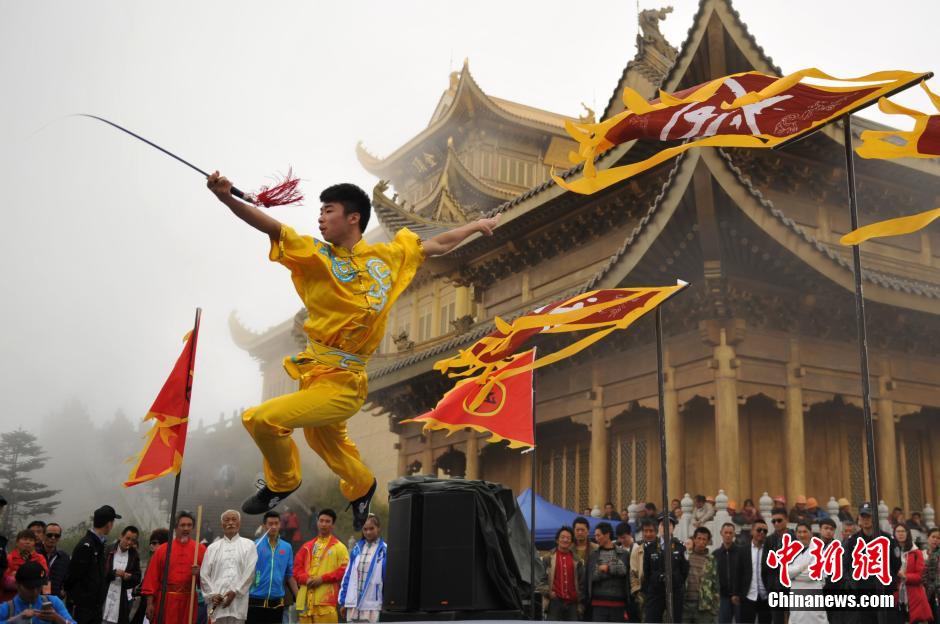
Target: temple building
[{"x": 763, "y": 390}]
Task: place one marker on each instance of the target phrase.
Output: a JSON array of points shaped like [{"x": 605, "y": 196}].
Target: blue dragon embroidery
[
  {"x": 343, "y": 269},
  {"x": 379, "y": 272}
]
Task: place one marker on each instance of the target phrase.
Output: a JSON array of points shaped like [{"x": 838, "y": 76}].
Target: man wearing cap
[
  {"x": 28, "y": 605},
  {"x": 181, "y": 573},
  {"x": 654, "y": 575},
  {"x": 845, "y": 511},
  {"x": 85, "y": 582},
  {"x": 870, "y": 586}
]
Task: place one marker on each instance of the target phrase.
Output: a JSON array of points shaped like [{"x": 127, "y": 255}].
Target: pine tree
[{"x": 26, "y": 499}]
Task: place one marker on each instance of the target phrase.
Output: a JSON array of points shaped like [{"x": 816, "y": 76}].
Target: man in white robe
[{"x": 228, "y": 571}]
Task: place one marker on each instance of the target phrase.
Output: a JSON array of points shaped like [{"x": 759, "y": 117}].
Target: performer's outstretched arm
[
  {"x": 248, "y": 213},
  {"x": 442, "y": 243}
]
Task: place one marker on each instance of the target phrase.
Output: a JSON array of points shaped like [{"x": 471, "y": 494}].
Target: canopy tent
[{"x": 548, "y": 518}]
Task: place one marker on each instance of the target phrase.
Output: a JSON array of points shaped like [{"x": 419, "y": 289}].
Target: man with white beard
[{"x": 228, "y": 571}]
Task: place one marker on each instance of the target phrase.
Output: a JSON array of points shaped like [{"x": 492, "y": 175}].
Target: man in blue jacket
[
  {"x": 274, "y": 586},
  {"x": 28, "y": 606}
]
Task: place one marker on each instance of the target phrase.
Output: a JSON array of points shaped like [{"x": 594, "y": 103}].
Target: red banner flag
[
  {"x": 747, "y": 109},
  {"x": 166, "y": 440},
  {"x": 505, "y": 412},
  {"x": 599, "y": 312}
]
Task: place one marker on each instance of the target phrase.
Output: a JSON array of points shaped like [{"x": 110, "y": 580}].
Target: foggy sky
[{"x": 108, "y": 246}]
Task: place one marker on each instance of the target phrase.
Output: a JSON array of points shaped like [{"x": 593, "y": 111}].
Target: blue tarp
[{"x": 548, "y": 518}]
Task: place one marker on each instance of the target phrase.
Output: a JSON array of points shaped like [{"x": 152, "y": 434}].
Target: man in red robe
[{"x": 179, "y": 582}]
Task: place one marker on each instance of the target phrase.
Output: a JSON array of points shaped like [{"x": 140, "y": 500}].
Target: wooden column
[
  {"x": 473, "y": 456},
  {"x": 599, "y": 487},
  {"x": 794, "y": 437},
  {"x": 673, "y": 429},
  {"x": 935, "y": 466},
  {"x": 461, "y": 301},
  {"x": 886, "y": 446},
  {"x": 525, "y": 472},
  {"x": 402, "y": 457},
  {"x": 727, "y": 436}
]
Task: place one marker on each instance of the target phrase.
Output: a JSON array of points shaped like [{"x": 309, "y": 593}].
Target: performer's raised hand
[
  {"x": 219, "y": 184},
  {"x": 487, "y": 225},
  {"x": 442, "y": 243},
  {"x": 249, "y": 213}
]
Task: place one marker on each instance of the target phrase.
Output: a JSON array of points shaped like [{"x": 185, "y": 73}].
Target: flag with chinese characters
[
  {"x": 166, "y": 440},
  {"x": 747, "y": 109},
  {"x": 598, "y": 313},
  {"x": 921, "y": 142},
  {"x": 505, "y": 412}
]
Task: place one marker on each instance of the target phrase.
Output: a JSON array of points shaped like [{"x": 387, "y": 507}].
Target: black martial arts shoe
[
  {"x": 360, "y": 507},
  {"x": 265, "y": 499}
]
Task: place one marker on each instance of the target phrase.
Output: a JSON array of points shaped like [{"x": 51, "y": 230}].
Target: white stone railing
[{"x": 684, "y": 530}]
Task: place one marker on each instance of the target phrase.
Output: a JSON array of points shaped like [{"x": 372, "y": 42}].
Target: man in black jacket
[
  {"x": 607, "y": 578},
  {"x": 57, "y": 560},
  {"x": 778, "y": 518},
  {"x": 870, "y": 586},
  {"x": 728, "y": 557},
  {"x": 122, "y": 567},
  {"x": 654, "y": 576},
  {"x": 85, "y": 583},
  {"x": 755, "y": 577}
]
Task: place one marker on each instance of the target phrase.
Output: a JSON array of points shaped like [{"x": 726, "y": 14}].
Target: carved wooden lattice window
[
  {"x": 627, "y": 476},
  {"x": 558, "y": 469},
  {"x": 424, "y": 319},
  {"x": 448, "y": 312},
  {"x": 626, "y": 471},
  {"x": 584, "y": 473},
  {"x": 545, "y": 476},
  {"x": 915, "y": 483},
  {"x": 570, "y": 476},
  {"x": 641, "y": 469},
  {"x": 856, "y": 470}
]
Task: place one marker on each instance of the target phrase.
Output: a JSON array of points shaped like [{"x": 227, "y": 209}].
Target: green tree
[{"x": 20, "y": 455}]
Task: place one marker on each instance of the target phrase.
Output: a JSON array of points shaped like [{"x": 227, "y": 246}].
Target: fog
[{"x": 109, "y": 246}]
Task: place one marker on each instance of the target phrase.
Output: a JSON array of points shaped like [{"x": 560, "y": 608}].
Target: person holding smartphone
[{"x": 28, "y": 605}]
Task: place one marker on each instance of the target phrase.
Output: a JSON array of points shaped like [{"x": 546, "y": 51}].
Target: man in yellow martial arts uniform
[{"x": 348, "y": 287}]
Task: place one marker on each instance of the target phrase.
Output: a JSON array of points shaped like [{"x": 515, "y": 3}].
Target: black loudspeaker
[
  {"x": 403, "y": 573},
  {"x": 453, "y": 556}
]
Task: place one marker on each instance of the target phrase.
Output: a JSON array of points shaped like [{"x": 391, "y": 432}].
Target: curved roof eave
[
  {"x": 881, "y": 287},
  {"x": 466, "y": 87}
]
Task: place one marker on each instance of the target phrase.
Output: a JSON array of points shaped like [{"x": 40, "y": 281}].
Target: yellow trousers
[
  {"x": 320, "y": 614},
  {"x": 327, "y": 399}
]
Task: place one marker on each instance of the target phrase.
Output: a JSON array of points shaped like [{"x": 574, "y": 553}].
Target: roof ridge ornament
[{"x": 650, "y": 35}]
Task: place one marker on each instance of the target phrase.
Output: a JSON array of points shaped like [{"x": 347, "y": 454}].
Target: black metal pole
[
  {"x": 860, "y": 318},
  {"x": 534, "y": 552},
  {"x": 667, "y": 525},
  {"x": 176, "y": 482}
]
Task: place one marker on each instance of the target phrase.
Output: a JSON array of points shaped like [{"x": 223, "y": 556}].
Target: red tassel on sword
[{"x": 281, "y": 194}]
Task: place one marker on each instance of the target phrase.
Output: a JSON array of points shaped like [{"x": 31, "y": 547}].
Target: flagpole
[
  {"x": 860, "y": 315},
  {"x": 667, "y": 525},
  {"x": 532, "y": 503},
  {"x": 176, "y": 481}
]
